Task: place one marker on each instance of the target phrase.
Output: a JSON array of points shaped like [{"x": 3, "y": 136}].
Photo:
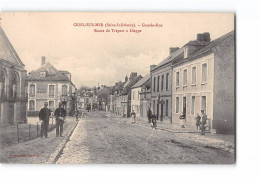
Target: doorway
[
  {"x": 184, "y": 106},
  {"x": 161, "y": 118}
]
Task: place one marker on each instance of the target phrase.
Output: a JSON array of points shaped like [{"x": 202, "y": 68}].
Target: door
[
  {"x": 184, "y": 105},
  {"x": 161, "y": 118}
]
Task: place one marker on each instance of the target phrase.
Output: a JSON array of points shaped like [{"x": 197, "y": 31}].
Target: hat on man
[{"x": 202, "y": 110}]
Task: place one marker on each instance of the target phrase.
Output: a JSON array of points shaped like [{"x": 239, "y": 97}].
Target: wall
[
  {"x": 224, "y": 87},
  {"x": 135, "y": 100},
  {"x": 197, "y": 89}
]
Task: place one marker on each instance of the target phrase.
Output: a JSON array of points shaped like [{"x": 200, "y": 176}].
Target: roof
[
  {"x": 142, "y": 81},
  {"x": 7, "y": 51},
  {"x": 52, "y": 74},
  {"x": 104, "y": 92},
  {"x": 130, "y": 84},
  {"x": 170, "y": 58},
  {"x": 208, "y": 48}
]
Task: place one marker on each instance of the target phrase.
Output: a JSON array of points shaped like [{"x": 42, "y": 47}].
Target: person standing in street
[
  {"x": 77, "y": 115},
  {"x": 197, "y": 119},
  {"x": 60, "y": 115},
  {"x": 149, "y": 115},
  {"x": 203, "y": 122},
  {"x": 44, "y": 116},
  {"x": 133, "y": 115}
]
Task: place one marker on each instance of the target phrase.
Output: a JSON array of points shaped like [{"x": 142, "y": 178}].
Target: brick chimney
[
  {"x": 205, "y": 37},
  {"x": 126, "y": 78},
  {"x": 133, "y": 75},
  {"x": 43, "y": 60},
  {"x": 173, "y": 49}
]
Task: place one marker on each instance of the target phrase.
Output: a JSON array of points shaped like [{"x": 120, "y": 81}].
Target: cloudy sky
[{"x": 102, "y": 57}]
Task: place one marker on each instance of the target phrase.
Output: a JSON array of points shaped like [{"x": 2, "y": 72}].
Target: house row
[
  {"x": 198, "y": 76},
  {"x": 23, "y": 95}
]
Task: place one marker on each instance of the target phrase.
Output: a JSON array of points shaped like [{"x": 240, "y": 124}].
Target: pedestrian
[
  {"x": 154, "y": 121},
  {"x": 77, "y": 115},
  {"x": 133, "y": 116},
  {"x": 44, "y": 116},
  {"x": 203, "y": 122},
  {"x": 197, "y": 119},
  {"x": 60, "y": 115},
  {"x": 149, "y": 115},
  {"x": 183, "y": 119}
]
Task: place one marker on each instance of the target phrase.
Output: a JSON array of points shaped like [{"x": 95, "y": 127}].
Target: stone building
[
  {"x": 47, "y": 84},
  {"x": 161, "y": 88},
  {"x": 205, "y": 80},
  {"x": 12, "y": 85},
  {"x": 136, "y": 103},
  {"x": 125, "y": 96}
]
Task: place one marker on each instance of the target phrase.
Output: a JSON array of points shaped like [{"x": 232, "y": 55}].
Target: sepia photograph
[{"x": 117, "y": 88}]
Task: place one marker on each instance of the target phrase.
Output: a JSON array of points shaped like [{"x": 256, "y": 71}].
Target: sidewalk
[
  {"x": 39, "y": 150},
  {"x": 218, "y": 141}
]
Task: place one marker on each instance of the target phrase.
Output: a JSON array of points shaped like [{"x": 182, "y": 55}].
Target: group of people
[{"x": 44, "y": 116}]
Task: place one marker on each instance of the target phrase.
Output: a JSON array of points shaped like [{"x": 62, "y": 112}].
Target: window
[
  {"x": 166, "y": 106},
  {"x": 204, "y": 72},
  {"x": 31, "y": 105},
  {"x": 154, "y": 81},
  {"x": 64, "y": 90},
  {"x": 32, "y": 90},
  {"x": 51, "y": 105},
  {"x": 162, "y": 82},
  {"x": 177, "y": 79},
  {"x": 203, "y": 103},
  {"x": 193, "y": 75},
  {"x": 167, "y": 81},
  {"x": 184, "y": 77},
  {"x": 51, "y": 91},
  {"x": 192, "y": 105},
  {"x": 158, "y": 83},
  {"x": 177, "y": 104}
]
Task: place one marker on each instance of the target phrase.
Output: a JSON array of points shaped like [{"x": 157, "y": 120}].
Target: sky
[{"x": 105, "y": 58}]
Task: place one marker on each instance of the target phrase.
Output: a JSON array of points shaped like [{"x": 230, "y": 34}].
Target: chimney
[
  {"x": 126, "y": 78},
  {"x": 205, "y": 37},
  {"x": 173, "y": 49},
  {"x": 43, "y": 60},
  {"x": 133, "y": 75},
  {"x": 152, "y": 67}
]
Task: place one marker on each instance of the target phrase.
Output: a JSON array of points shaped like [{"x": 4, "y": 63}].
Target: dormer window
[
  {"x": 43, "y": 74},
  {"x": 186, "y": 52}
]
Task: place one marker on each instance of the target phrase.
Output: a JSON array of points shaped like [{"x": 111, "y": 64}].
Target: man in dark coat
[
  {"x": 44, "y": 116},
  {"x": 149, "y": 115},
  {"x": 60, "y": 115},
  {"x": 203, "y": 122}
]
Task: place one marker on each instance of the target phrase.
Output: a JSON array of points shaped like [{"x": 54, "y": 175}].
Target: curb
[{"x": 56, "y": 154}]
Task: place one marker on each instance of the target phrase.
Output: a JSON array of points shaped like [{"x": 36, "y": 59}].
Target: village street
[{"x": 100, "y": 139}]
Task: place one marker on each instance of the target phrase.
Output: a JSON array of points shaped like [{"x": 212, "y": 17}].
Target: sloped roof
[
  {"x": 7, "y": 51},
  {"x": 208, "y": 48},
  {"x": 52, "y": 74},
  {"x": 170, "y": 58},
  {"x": 142, "y": 81},
  {"x": 130, "y": 84},
  {"x": 104, "y": 92}
]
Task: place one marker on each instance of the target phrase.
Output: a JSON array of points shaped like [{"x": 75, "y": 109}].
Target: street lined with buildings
[{"x": 194, "y": 82}]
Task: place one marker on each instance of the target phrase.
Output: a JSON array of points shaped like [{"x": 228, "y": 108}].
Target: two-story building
[
  {"x": 47, "y": 84},
  {"x": 205, "y": 81},
  {"x": 12, "y": 84},
  {"x": 136, "y": 89},
  {"x": 161, "y": 89}
]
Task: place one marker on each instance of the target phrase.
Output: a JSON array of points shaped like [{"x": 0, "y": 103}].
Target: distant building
[
  {"x": 136, "y": 103},
  {"x": 205, "y": 80},
  {"x": 47, "y": 84},
  {"x": 12, "y": 84},
  {"x": 125, "y": 96},
  {"x": 145, "y": 98}
]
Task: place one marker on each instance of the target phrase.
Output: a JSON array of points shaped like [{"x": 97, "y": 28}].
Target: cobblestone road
[{"x": 99, "y": 139}]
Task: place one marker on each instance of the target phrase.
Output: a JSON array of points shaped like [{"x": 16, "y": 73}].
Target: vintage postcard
[{"x": 117, "y": 88}]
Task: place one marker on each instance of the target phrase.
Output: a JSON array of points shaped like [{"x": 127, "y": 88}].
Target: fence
[{"x": 11, "y": 134}]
